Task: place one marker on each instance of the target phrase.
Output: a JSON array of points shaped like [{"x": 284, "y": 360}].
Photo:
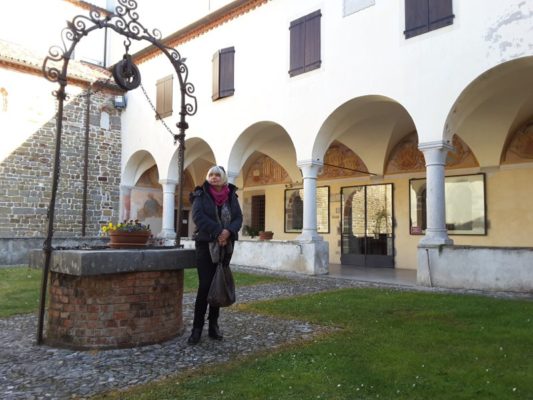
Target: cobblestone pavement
[{"x": 28, "y": 371}]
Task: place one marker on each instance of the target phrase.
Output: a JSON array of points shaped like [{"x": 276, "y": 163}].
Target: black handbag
[{"x": 222, "y": 289}]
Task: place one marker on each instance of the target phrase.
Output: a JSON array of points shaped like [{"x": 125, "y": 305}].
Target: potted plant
[
  {"x": 266, "y": 235},
  {"x": 127, "y": 234},
  {"x": 248, "y": 230}
]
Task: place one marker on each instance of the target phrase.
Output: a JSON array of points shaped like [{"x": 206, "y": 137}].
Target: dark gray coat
[{"x": 204, "y": 214}]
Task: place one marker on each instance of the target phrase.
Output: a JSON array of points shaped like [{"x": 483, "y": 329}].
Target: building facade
[
  {"x": 375, "y": 132},
  {"x": 88, "y": 191}
]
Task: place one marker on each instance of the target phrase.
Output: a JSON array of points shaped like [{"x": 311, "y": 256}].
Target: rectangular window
[
  {"x": 353, "y": 6},
  {"x": 294, "y": 209},
  {"x": 258, "y": 212},
  {"x": 422, "y": 16},
  {"x": 164, "y": 97},
  {"x": 465, "y": 205},
  {"x": 305, "y": 44},
  {"x": 223, "y": 73}
]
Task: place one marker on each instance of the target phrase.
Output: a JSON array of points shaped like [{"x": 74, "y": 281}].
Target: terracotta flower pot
[
  {"x": 128, "y": 239},
  {"x": 266, "y": 235}
]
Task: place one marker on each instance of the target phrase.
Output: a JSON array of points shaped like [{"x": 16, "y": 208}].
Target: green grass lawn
[
  {"x": 241, "y": 279},
  {"x": 20, "y": 287},
  {"x": 19, "y": 290},
  {"x": 391, "y": 345}
]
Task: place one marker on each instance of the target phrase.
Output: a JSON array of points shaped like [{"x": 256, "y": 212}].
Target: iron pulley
[{"x": 126, "y": 74}]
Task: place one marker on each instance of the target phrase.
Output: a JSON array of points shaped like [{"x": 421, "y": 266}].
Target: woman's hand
[{"x": 223, "y": 237}]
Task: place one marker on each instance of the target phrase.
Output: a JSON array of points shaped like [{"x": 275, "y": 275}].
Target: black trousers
[{"x": 206, "y": 271}]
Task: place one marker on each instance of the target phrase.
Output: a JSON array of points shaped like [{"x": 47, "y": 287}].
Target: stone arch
[
  {"x": 269, "y": 139},
  {"x": 492, "y": 108},
  {"x": 356, "y": 124},
  {"x": 199, "y": 157},
  {"x": 137, "y": 164}
]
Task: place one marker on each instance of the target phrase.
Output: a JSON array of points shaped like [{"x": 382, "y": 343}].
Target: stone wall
[{"x": 26, "y": 174}]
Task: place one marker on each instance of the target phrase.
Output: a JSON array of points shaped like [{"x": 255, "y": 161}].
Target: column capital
[
  {"x": 168, "y": 182},
  {"x": 310, "y": 168},
  {"x": 435, "y": 152},
  {"x": 232, "y": 176},
  {"x": 435, "y": 145}
]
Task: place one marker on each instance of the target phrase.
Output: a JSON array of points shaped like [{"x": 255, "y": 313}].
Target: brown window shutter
[
  {"x": 440, "y": 14},
  {"x": 227, "y": 71},
  {"x": 305, "y": 43},
  {"x": 312, "y": 41},
  {"x": 297, "y": 44},
  {"x": 416, "y": 17},
  {"x": 223, "y": 73},
  {"x": 164, "y": 88},
  {"x": 216, "y": 76},
  {"x": 422, "y": 16}
]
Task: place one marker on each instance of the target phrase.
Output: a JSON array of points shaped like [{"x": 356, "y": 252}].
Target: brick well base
[{"x": 115, "y": 310}]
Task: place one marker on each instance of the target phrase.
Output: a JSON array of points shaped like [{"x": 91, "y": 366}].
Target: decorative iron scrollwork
[
  {"x": 127, "y": 76},
  {"x": 125, "y": 22}
]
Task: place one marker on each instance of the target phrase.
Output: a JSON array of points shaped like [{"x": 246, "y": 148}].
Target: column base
[
  {"x": 309, "y": 236},
  {"x": 431, "y": 241},
  {"x": 167, "y": 234}
]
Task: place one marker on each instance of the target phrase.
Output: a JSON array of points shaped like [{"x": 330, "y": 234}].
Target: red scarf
[{"x": 219, "y": 197}]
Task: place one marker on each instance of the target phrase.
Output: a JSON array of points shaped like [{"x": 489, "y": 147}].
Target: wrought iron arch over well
[{"x": 125, "y": 21}]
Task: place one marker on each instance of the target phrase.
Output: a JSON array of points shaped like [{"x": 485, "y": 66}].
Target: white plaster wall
[
  {"x": 28, "y": 109},
  {"x": 479, "y": 268},
  {"x": 364, "y": 53},
  {"x": 279, "y": 255}
]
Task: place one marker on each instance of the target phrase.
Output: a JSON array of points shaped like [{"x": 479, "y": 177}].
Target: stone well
[{"x": 100, "y": 299}]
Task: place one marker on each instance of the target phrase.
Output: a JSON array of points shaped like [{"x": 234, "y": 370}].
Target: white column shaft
[
  {"x": 435, "y": 155},
  {"x": 310, "y": 171},
  {"x": 125, "y": 203},
  {"x": 169, "y": 190}
]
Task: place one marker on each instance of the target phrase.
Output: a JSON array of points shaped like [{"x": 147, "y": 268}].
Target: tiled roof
[{"x": 19, "y": 57}]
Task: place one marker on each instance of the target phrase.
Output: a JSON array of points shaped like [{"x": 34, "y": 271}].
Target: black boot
[
  {"x": 214, "y": 331},
  {"x": 195, "y": 336}
]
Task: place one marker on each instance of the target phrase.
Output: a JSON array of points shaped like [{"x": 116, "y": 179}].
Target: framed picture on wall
[
  {"x": 465, "y": 205},
  {"x": 294, "y": 210}
]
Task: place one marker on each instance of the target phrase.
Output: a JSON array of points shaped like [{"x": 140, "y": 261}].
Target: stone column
[
  {"x": 169, "y": 190},
  {"x": 125, "y": 202},
  {"x": 232, "y": 176},
  {"x": 310, "y": 170},
  {"x": 435, "y": 156}
]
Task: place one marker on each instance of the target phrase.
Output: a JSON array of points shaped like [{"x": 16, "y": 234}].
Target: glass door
[{"x": 367, "y": 226}]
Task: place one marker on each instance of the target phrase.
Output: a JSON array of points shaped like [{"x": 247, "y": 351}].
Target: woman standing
[{"x": 218, "y": 218}]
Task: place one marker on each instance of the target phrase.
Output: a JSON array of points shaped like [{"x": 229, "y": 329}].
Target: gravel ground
[{"x": 28, "y": 371}]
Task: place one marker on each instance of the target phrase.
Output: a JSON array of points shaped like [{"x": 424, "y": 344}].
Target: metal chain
[{"x": 157, "y": 114}]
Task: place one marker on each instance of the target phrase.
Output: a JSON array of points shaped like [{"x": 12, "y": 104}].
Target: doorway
[{"x": 367, "y": 231}]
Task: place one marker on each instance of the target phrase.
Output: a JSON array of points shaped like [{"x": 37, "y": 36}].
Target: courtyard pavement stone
[{"x": 28, "y": 371}]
